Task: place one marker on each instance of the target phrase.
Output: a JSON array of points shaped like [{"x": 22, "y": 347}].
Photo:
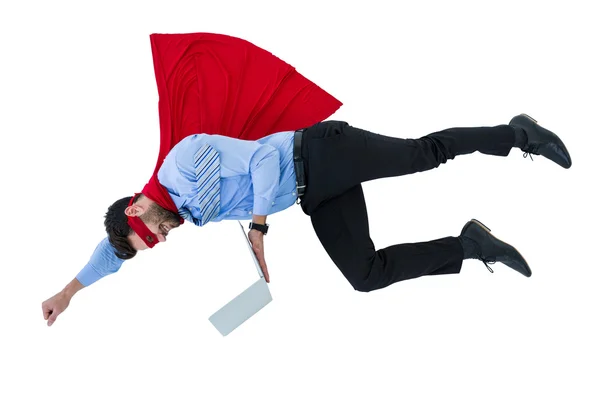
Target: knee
[
  {"x": 363, "y": 275},
  {"x": 361, "y": 284},
  {"x": 362, "y": 287}
]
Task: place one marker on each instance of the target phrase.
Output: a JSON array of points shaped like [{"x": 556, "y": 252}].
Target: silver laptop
[{"x": 244, "y": 305}]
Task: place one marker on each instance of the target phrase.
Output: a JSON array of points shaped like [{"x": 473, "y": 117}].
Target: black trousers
[{"x": 339, "y": 157}]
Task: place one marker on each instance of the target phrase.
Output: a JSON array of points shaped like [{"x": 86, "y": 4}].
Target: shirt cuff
[
  {"x": 262, "y": 206},
  {"x": 88, "y": 275}
]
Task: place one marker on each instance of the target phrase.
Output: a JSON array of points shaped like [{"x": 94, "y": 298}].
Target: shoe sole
[{"x": 490, "y": 232}]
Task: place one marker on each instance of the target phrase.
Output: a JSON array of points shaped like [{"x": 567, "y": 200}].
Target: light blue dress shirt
[{"x": 257, "y": 177}]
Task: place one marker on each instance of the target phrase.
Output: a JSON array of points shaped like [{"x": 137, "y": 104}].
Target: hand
[
  {"x": 256, "y": 238},
  {"x": 54, "y": 306}
]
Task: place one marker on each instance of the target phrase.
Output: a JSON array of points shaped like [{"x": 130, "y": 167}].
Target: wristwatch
[{"x": 261, "y": 228}]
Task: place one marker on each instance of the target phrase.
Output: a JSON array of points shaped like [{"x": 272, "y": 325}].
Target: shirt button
[
  {"x": 273, "y": 203},
  {"x": 249, "y": 212},
  {"x": 294, "y": 193}
]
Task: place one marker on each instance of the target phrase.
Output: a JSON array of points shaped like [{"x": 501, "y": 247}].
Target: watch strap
[{"x": 259, "y": 227}]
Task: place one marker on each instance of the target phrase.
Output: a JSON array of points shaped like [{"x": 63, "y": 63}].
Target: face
[{"x": 157, "y": 219}]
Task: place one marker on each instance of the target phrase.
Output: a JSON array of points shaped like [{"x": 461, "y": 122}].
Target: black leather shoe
[
  {"x": 541, "y": 141},
  {"x": 490, "y": 249}
]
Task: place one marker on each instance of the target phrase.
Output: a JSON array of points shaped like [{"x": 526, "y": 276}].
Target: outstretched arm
[{"x": 103, "y": 262}]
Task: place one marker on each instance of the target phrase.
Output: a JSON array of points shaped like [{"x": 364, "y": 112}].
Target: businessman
[{"x": 209, "y": 178}]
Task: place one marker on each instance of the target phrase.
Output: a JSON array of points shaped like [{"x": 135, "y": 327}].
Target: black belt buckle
[{"x": 298, "y": 163}]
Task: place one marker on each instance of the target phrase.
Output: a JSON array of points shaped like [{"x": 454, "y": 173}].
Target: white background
[{"x": 79, "y": 130}]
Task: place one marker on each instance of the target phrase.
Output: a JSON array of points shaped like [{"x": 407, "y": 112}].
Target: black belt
[{"x": 298, "y": 163}]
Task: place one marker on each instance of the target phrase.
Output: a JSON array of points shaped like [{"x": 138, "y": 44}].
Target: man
[{"x": 209, "y": 178}]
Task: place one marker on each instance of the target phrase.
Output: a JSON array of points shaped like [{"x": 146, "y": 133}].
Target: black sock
[
  {"x": 469, "y": 247},
  {"x": 520, "y": 137}
]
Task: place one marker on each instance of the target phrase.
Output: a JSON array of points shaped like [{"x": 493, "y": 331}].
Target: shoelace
[
  {"x": 528, "y": 151},
  {"x": 527, "y": 154},
  {"x": 477, "y": 255},
  {"x": 487, "y": 262}
]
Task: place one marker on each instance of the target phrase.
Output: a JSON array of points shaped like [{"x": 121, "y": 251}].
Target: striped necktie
[{"x": 208, "y": 176}]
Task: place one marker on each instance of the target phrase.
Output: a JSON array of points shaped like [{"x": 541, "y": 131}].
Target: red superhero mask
[{"x": 141, "y": 229}]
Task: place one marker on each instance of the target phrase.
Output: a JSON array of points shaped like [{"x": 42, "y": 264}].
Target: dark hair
[{"x": 117, "y": 228}]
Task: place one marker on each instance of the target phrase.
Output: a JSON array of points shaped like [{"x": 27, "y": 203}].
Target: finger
[
  {"x": 46, "y": 310},
  {"x": 265, "y": 271},
  {"x": 52, "y": 319},
  {"x": 261, "y": 259},
  {"x": 263, "y": 266},
  {"x": 260, "y": 256}
]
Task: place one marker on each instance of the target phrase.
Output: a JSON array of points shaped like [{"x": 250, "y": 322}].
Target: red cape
[{"x": 219, "y": 84}]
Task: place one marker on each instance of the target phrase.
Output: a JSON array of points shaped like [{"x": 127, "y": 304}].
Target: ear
[{"x": 134, "y": 210}]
